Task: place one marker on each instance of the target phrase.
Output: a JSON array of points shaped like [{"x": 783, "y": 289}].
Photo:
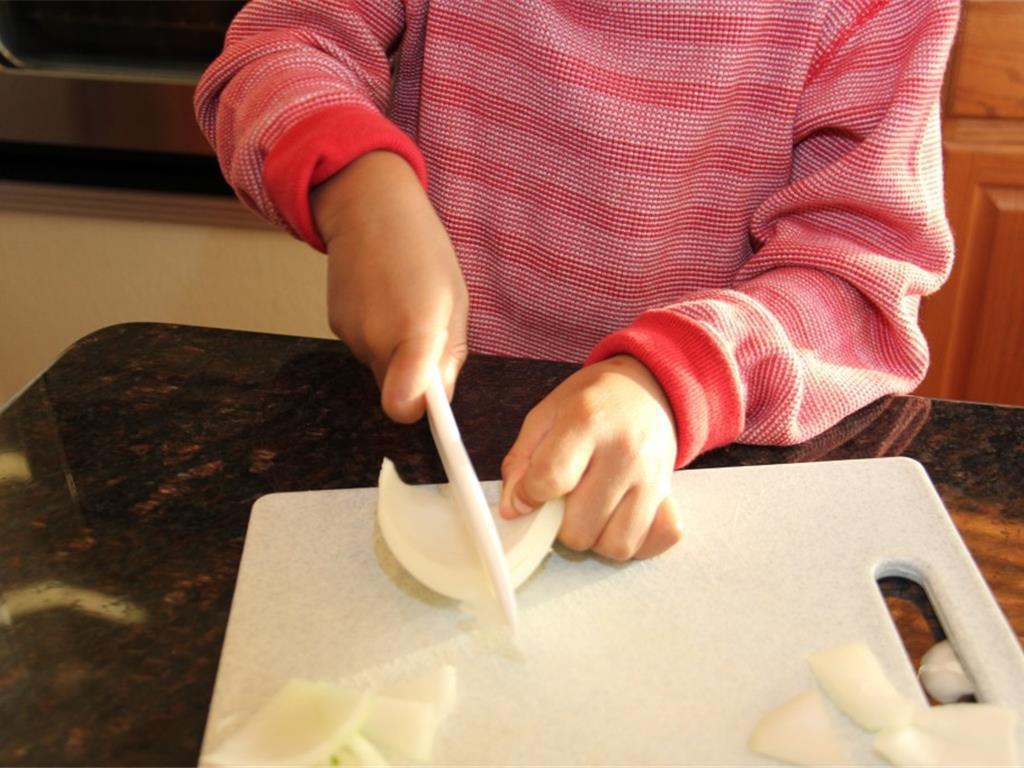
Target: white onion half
[{"x": 425, "y": 533}]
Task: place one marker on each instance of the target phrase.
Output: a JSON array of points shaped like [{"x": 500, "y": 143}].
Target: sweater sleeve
[
  {"x": 822, "y": 318},
  {"x": 299, "y": 91}
]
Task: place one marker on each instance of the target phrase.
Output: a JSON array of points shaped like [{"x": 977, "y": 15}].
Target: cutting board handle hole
[{"x": 914, "y": 616}]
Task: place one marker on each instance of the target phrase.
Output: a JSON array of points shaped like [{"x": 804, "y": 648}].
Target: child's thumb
[
  {"x": 666, "y": 530},
  {"x": 450, "y": 365},
  {"x": 412, "y": 364},
  {"x": 456, "y": 348}
]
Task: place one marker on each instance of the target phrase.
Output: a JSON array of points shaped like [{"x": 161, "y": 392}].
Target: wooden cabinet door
[{"x": 975, "y": 323}]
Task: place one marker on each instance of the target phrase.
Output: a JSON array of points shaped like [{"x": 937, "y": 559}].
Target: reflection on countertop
[{"x": 128, "y": 470}]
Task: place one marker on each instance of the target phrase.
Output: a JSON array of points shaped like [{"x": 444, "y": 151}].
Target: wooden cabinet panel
[
  {"x": 986, "y": 65},
  {"x": 1001, "y": 316},
  {"x": 975, "y": 324}
]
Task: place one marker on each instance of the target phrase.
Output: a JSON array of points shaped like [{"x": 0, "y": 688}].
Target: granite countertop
[{"x": 127, "y": 472}]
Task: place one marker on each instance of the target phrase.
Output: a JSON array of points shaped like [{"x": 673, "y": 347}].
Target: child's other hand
[
  {"x": 605, "y": 439},
  {"x": 395, "y": 292}
]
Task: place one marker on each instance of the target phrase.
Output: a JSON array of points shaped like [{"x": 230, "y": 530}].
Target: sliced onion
[
  {"x": 361, "y": 752},
  {"x": 437, "y": 686},
  {"x": 943, "y": 676},
  {"x": 425, "y": 533},
  {"x": 952, "y": 735},
  {"x": 907, "y": 735},
  {"x": 402, "y": 727},
  {"x": 855, "y": 682},
  {"x": 304, "y": 723},
  {"x": 799, "y": 732}
]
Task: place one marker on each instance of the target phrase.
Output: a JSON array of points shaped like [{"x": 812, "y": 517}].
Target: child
[{"x": 728, "y": 210}]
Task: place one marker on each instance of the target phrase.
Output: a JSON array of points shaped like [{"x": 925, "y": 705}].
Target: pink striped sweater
[{"x": 744, "y": 195}]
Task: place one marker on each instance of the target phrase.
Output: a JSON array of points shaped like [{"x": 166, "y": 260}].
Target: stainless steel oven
[{"x": 107, "y": 75}]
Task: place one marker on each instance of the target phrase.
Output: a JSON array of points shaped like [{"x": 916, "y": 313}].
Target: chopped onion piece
[
  {"x": 435, "y": 686},
  {"x": 361, "y": 752},
  {"x": 302, "y": 724},
  {"x": 853, "y": 679},
  {"x": 425, "y": 533},
  {"x": 952, "y": 735},
  {"x": 799, "y": 732},
  {"x": 943, "y": 676},
  {"x": 406, "y": 728}
]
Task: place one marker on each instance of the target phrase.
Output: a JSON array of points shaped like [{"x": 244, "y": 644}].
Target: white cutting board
[{"x": 664, "y": 662}]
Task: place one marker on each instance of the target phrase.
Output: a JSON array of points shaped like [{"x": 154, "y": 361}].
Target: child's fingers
[
  {"x": 589, "y": 507},
  {"x": 556, "y": 466},
  {"x": 628, "y": 526},
  {"x": 666, "y": 530},
  {"x": 512, "y": 469},
  {"x": 456, "y": 349},
  {"x": 408, "y": 373},
  {"x": 535, "y": 426}
]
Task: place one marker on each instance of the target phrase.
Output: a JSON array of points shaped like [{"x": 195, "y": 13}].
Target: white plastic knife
[{"x": 469, "y": 497}]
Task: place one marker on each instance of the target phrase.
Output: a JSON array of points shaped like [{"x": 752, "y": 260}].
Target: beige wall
[{"x": 69, "y": 271}]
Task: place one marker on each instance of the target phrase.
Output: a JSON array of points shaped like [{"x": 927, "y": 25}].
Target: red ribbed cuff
[
  {"x": 694, "y": 372},
  {"x": 317, "y": 147}
]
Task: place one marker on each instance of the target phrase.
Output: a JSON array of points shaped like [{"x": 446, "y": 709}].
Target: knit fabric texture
[{"x": 746, "y": 196}]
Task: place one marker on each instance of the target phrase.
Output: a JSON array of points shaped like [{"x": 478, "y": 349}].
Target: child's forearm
[
  {"x": 395, "y": 293},
  {"x": 371, "y": 187}
]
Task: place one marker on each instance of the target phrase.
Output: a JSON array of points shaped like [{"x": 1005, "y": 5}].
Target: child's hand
[
  {"x": 605, "y": 438},
  {"x": 395, "y": 293}
]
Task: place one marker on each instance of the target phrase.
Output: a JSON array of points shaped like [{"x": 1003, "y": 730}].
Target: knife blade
[{"x": 469, "y": 498}]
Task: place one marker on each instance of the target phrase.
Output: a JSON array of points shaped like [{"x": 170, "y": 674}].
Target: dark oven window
[{"x": 173, "y": 37}]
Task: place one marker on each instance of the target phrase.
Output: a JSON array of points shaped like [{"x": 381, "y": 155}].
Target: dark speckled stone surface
[{"x": 130, "y": 467}]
